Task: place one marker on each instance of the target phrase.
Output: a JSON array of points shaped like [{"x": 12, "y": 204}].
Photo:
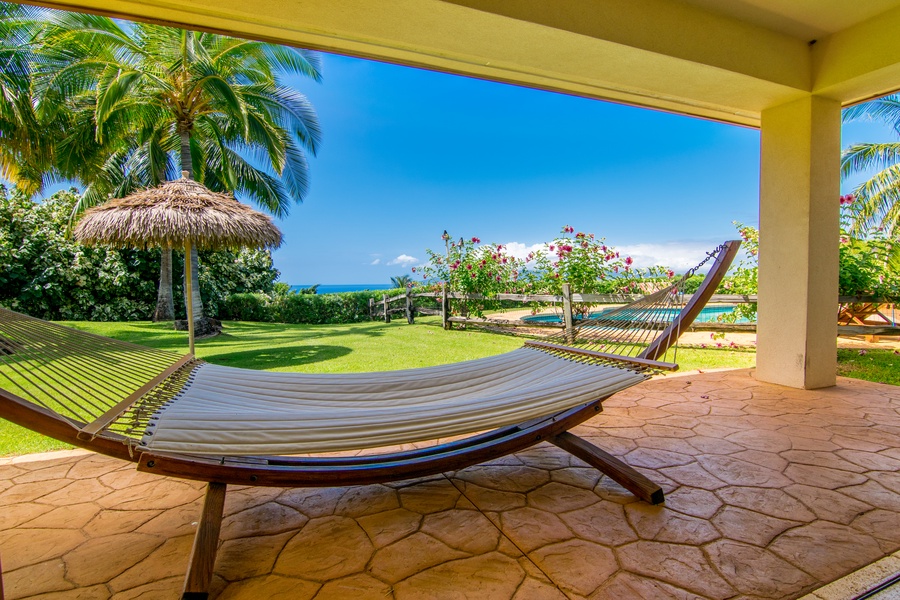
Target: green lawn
[
  {"x": 367, "y": 346},
  {"x": 872, "y": 365}
]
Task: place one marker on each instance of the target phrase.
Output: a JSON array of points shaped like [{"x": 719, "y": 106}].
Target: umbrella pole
[{"x": 190, "y": 295}]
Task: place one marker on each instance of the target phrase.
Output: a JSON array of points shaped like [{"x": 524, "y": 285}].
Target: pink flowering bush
[
  {"x": 868, "y": 267},
  {"x": 470, "y": 267},
  {"x": 743, "y": 278},
  {"x": 580, "y": 259},
  {"x": 589, "y": 266}
]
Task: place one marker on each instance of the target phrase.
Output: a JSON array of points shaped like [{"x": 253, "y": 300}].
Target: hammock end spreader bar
[
  {"x": 92, "y": 429},
  {"x": 639, "y": 363}
]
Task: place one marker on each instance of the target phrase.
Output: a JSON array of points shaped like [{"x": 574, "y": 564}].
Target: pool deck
[
  {"x": 772, "y": 492},
  {"x": 739, "y": 339}
]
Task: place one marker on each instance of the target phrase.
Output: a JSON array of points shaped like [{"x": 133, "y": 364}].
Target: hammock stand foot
[
  {"x": 206, "y": 541},
  {"x": 609, "y": 465}
]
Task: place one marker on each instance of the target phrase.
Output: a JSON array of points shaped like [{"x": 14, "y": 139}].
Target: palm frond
[
  {"x": 107, "y": 96},
  {"x": 876, "y": 200},
  {"x": 295, "y": 60},
  {"x": 290, "y": 109},
  {"x": 218, "y": 90},
  {"x": 296, "y": 173},
  {"x": 111, "y": 91},
  {"x": 885, "y": 109},
  {"x": 253, "y": 184},
  {"x": 867, "y": 156}
]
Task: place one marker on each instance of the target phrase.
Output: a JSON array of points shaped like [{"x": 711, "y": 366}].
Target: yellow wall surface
[{"x": 798, "y": 252}]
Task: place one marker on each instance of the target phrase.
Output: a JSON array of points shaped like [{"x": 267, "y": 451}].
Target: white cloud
[
  {"x": 377, "y": 261},
  {"x": 521, "y": 251},
  {"x": 680, "y": 256},
  {"x": 404, "y": 260}
]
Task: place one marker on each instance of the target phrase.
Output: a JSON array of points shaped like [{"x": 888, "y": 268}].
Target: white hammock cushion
[{"x": 231, "y": 411}]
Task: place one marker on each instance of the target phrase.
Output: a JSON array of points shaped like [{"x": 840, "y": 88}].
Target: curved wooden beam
[
  {"x": 286, "y": 471},
  {"x": 698, "y": 300}
]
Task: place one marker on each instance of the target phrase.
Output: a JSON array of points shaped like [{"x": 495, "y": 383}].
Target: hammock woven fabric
[{"x": 233, "y": 411}]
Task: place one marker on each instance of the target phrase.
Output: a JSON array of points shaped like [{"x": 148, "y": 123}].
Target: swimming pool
[{"x": 709, "y": 314}]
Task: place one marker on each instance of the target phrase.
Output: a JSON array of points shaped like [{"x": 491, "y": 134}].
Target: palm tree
[
  {"x": 155, "y": 93},
  {"x": 32, "y": 133},
  {"x": 877, "y": 203},
  {"x": 19, "y": 130},
  {"x": 401, "y": 281},
  {"x": 28, "y": 136}
]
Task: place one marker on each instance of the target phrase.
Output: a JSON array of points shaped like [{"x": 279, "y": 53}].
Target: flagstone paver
[{"x": 771, "y": 493}]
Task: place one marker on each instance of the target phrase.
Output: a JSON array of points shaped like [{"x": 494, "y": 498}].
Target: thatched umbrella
[{"x": 178, "y": 213}]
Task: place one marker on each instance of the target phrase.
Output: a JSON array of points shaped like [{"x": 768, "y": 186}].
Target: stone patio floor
[{"x": 771, "y": 493}]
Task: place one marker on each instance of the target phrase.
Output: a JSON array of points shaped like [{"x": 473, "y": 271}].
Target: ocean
[{"x": 347, "y": 287}]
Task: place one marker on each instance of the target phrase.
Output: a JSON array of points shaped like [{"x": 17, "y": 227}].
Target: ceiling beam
[
  {"x": 861, "y": 62},
  {"x": 660, "y": 54}
]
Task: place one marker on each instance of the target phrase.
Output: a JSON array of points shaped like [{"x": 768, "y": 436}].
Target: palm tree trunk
[
  {"x": 165, "y": 304},
  {"x": 199, "y": 318},
  {"x": 202, "y": 325},
  {"x": 186, "y": 163}
]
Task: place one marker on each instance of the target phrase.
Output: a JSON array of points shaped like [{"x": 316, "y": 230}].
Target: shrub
[
  {"x": 226, "y": 272},
  {"x": 246, "y": 307},
  {"x": 469, "y": 267},
  {"x": 867, "y": 267},
  {"x": 48, "y": 275},
  {"x": 316, "y": 309},
  {"x": 743, "y": 280},
  {"x": 313, "y": 309}
]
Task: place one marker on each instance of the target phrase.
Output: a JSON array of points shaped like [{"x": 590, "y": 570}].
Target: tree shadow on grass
[
  {"x": 154, "y": 335},
  {"x": 162, "y": 336},
  {"x": 283, "y": 356},
  {"x": 280, "y": 332}
]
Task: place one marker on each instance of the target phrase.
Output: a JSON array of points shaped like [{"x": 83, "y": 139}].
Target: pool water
[{"x": 709, "y": 314}]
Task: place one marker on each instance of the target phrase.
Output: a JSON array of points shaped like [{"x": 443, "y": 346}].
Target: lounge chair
[{"x": 179, "y": 416}]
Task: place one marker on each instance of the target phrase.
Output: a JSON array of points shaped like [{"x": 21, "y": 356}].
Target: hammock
[{"x": 176, "y": 415}]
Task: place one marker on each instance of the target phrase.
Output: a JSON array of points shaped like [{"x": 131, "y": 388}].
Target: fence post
[
  {"x": 371, "y": 309},
  {"x": 567, "y": 313},
  {"x": 387, "y": 312},
  {"x": 410, "y": 310},
  {"x": 464, "y": 311},
  {"x": 445, "y": 307}
]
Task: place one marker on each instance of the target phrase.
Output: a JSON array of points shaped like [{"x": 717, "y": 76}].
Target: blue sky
[{"x": 408, "y": 153}]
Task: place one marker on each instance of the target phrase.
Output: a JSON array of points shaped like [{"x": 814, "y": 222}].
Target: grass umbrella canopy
[{"x": 174, "y": 214}]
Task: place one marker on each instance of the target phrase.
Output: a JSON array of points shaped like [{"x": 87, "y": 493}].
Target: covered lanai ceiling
[
  {"x": 719, "y": 59},
  {"x": 803, "y": 19}
]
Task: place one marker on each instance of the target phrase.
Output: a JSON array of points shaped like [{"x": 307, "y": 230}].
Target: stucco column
[{"x": 798, "y": 249}]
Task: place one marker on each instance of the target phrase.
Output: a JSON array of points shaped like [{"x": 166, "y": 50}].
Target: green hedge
[
  {"x": 46, "y": 274},
  {"x": 313, "y": 309},
  {"x": 246, "y": 307}
]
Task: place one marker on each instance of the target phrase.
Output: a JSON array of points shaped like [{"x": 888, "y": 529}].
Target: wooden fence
[{"x": 406, "y": 305}]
